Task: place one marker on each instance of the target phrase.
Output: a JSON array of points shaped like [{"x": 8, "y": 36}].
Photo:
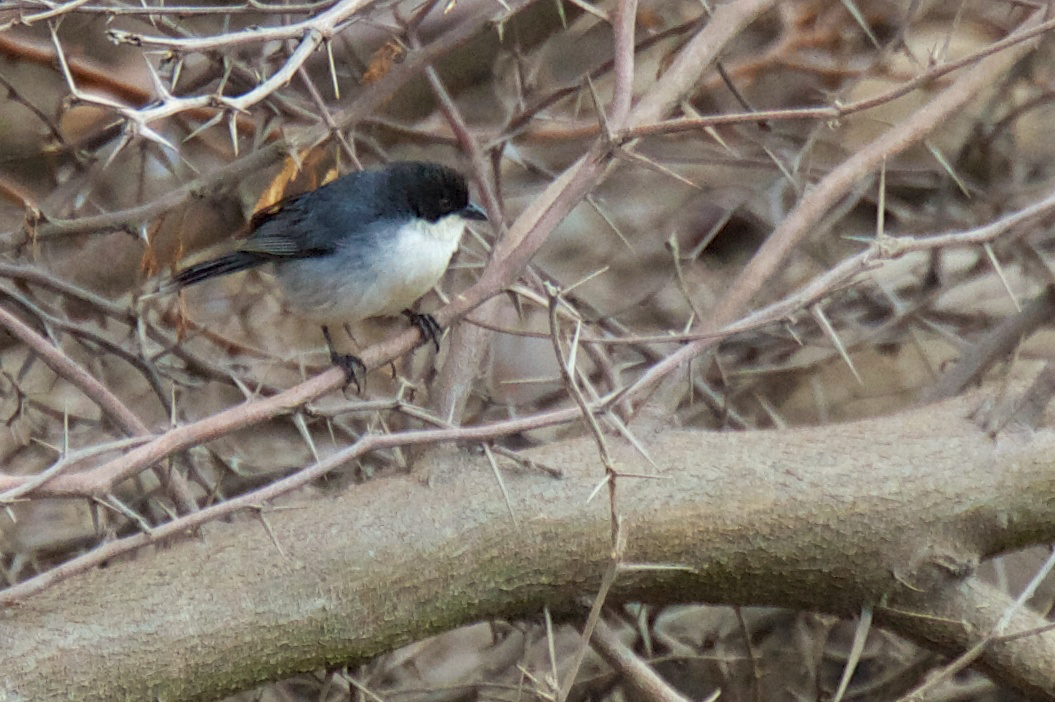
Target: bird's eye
[{"x": 445, "y": 204}]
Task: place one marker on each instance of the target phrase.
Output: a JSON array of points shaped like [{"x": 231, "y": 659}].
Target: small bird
[{"x": 368, "y": 244}]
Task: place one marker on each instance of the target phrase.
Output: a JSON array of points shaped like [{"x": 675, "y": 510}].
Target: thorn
[
  {"x": 333, "y": 70},
  {"x": 232, "y": 127},
  {"x": 829, "y": 331},
  {"x": 211, "y": 122}
]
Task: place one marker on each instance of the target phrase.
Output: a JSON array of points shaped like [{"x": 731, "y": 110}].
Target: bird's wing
[
  {"x": 283, "y": 230},
  {"x": 277, "y": 245},
  {"x": 284, "y": 205}
]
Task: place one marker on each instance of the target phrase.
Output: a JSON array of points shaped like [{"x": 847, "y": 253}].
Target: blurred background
[{"x": 120, "y": 162}]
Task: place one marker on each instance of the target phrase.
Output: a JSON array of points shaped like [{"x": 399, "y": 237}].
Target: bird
[{"x": 365, "y": 245}]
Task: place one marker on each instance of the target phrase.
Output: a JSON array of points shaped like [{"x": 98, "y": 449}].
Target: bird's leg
[
  {"x": 351, "y": 365},
  {"x": 428, "y": 326},
  {"x": 348, "y": 331}
]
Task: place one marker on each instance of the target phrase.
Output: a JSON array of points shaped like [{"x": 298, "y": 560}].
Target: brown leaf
[{"x": 390, "y": 53}]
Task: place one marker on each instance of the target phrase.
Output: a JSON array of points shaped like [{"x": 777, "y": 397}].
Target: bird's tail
[{"x": 231, "y": 263}]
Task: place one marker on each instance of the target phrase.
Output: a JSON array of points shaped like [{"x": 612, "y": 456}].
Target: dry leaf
[{"x": 390, "y": 53}]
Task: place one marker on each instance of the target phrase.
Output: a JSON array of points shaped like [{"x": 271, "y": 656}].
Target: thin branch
[
  {"x": 817, "y": 201},
  {"x": 325, "y": 24}
]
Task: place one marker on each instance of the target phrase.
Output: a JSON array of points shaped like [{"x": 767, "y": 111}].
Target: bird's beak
[{"x": 474, "y": 212}]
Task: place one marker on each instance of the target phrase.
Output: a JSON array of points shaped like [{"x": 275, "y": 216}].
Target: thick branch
[{"x": 893, "y": 512}]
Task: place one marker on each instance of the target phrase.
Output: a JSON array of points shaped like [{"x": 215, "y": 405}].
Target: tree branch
[{"x": 893, "y": 512}]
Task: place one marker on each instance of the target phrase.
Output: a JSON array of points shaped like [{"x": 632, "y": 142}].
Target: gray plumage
[{"x": 367, "y": 244}]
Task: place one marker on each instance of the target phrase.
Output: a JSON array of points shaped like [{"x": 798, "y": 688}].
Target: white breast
[{"x": 403, "y": 267}]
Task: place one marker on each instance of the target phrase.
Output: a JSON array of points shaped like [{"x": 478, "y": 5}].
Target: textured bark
[{"x": 892, "y": 512}]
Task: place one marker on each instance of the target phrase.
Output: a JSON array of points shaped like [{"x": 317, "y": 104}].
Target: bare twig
[
  {"x": 822, "y": 196},
  {"x": 98, "y": 393}
]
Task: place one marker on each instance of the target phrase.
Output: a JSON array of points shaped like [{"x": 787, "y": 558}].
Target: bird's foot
[
  {"x": 354, "y": 369},
  {"x": 428, "y": 326}
]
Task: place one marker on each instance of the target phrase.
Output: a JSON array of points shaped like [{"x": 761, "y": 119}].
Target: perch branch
[{"x": 893, "y": 512}]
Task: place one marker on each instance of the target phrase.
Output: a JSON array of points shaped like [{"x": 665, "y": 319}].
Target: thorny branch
[{"x": 645, "y": 131}]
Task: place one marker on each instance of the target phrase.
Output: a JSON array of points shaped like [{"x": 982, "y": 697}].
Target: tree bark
[{"x": 893, "y": 512}]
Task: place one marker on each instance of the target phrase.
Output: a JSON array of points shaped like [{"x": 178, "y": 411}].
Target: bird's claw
[
  {"x": 428, "y": 326},
  {"x": 354, "y": 369}
]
